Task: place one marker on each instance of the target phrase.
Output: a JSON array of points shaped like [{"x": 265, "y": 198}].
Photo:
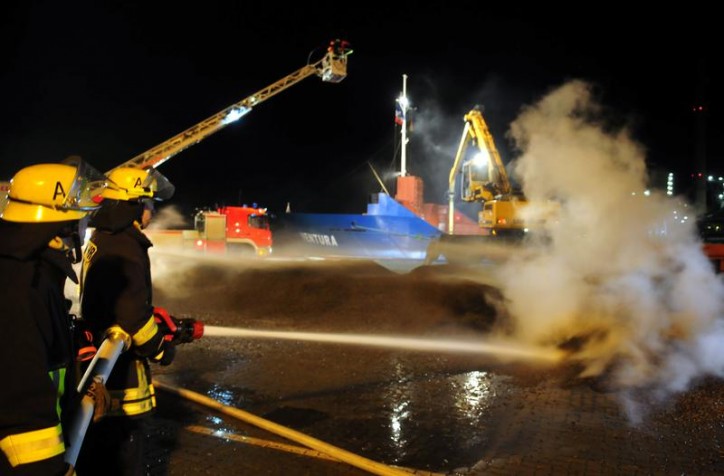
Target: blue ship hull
[{"x": 387, "y": 231}]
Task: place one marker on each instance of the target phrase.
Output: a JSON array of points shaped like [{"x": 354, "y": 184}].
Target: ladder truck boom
[{"x": 331, "y": 68}]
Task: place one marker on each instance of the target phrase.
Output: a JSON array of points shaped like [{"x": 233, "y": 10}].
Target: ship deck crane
[{"x": 331, "y": 68}]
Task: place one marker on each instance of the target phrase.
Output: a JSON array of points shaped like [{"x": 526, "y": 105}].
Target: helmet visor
[
  {"x": 161, "y": 186},
  {"x": 87, "y": 185}
]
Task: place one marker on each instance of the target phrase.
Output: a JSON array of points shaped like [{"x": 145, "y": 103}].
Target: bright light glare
[
  {"x": 481, "y": 159},
  {"x": 235, "y": 114}
]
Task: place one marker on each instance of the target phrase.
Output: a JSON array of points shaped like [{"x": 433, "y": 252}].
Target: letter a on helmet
[{"x": 58, "y": 191}]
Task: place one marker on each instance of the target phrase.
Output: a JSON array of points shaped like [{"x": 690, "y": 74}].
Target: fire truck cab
[
  {"x": 244, "y": 230},
  {"x": 711, "y": 230}
]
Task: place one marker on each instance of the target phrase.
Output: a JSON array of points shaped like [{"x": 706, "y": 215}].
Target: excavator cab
[{"x": 476, "y": 184}]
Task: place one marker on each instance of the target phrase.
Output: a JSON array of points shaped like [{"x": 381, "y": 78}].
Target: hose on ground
[{"x": 338, "y": 453}]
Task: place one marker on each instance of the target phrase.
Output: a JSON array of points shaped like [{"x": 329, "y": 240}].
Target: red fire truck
[
  {"x": 711, "y": 230},
  {"x": 244, "y": 230}
]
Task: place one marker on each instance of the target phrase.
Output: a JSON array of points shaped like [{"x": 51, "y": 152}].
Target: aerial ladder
[
  {"x": 331, "y": 68},
  {"x": 485, "y": 180}
]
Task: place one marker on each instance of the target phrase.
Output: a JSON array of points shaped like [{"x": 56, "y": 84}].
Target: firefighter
[
  {"x": 116, "y": 290},
  {"x": 40, "y": 238}
]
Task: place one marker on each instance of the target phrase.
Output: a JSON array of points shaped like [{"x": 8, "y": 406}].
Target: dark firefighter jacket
[
  {"x": 117, "y": 290},
  {"x": 36, "y": 350}
]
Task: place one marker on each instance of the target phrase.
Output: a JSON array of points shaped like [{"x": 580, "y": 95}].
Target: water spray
[{"x": 507, "y": 349}]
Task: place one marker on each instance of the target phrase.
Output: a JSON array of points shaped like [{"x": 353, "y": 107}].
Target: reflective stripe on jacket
[
  {"x": 33, "y": 446},
  {"x": 58, "y": 378},
  {"x": 137, "y": 400}
]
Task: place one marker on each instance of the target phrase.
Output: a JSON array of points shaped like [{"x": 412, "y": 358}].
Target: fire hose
[
  {"x": 336, "y": 453},
  {"x": 117, "y": 341},
  {"x": 176, "y": 330}
]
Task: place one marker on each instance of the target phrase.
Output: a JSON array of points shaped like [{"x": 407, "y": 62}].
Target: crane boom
[
  {"x": 477, "y": 185},
  {"x": 497, "y": 182},
  {"x": 331, "y": 68}
]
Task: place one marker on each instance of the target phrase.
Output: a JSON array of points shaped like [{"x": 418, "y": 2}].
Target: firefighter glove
[
  {"x": 166, "y": 355},
  {"x": 101, "y": 398}
]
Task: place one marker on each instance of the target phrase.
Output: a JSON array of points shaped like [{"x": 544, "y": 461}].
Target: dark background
[{"x": 108, "y": 81}]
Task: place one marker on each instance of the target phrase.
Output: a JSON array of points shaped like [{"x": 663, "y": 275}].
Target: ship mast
[
  {"x": 409, "y": 188},
  {"x": 404, "y": 104}
]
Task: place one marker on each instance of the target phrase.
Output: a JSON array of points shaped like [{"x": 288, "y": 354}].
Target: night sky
[{"x": 109, "y": 80}]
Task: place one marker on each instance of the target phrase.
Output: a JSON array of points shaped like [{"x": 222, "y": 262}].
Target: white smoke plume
[
  {"x": 620, "y": 275},
  {"x": 168, "y": 217}
]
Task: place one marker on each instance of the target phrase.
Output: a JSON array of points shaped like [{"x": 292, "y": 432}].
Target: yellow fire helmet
[
  {"x": 53, "y": 192},
  {"x": 128, "y": 183}
]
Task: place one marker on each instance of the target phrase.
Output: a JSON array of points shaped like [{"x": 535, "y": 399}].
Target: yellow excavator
[{"x": 484, "y": 180}]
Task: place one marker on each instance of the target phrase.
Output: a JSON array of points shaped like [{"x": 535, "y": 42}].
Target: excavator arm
[
  {"x": 331, "y": 68},
  {"x": 477, "y": 185}
]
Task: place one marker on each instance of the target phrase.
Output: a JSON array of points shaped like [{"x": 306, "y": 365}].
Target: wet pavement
[{"x": 424, "y": 411}]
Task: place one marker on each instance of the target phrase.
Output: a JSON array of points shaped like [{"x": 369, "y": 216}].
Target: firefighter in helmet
[
  {"x": 116, "y": 291},
  {"x": 41, "y": 225}
]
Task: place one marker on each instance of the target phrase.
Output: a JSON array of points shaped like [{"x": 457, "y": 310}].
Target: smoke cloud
[
  {"x": 168, "y": 218},
  {"x": 622, "y": 275}
]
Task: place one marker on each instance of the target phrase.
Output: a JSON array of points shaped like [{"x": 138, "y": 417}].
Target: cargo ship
[
  {"x": 392, "y": 228},
  {"x": 388, "y": 230}
]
